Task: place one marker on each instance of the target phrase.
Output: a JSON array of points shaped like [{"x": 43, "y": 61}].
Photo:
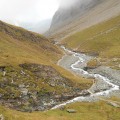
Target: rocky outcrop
[
  {"x": 1, "y": 117},
  {"x": 71, "y": 111},
  {"x": 35, "y": 87}
]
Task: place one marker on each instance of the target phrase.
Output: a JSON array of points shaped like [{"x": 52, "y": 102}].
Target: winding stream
[{"x": 81, "y": 60}]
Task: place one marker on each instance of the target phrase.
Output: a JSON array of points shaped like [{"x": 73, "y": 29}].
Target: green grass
[
  {"x": 16, "y": 48},
  {"x": 17, "y": 51},
  {"x": 102, "y": 40},
  {"x": 19, "y": 46},
  {"x": 85, "y": 111}
]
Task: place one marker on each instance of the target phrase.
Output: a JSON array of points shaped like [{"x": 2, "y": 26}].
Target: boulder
[
  {"x": 1, "y": 117},
  {"x": 21, "y": 86},
  {"x": 71, "y": 111},
  {"x": 24, "y": 91},
  {"x": 114, "y": 104},
  {"x": 62, "y": 108}
]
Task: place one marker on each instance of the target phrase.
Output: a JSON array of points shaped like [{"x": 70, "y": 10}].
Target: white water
[{"x": 112, "y": 88}]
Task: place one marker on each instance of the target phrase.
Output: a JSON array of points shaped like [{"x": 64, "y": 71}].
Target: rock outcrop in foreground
[{"x": 34, "y": 87}]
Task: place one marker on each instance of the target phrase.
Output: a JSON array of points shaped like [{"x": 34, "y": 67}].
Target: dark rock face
[
  {"x": 34, "y": 87},
  {"x": 65, "y": 15}
]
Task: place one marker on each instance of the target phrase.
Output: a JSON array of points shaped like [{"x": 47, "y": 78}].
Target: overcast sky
[
  {"x": 30, "y": 11},
  {"x": 14, "y": 11}
]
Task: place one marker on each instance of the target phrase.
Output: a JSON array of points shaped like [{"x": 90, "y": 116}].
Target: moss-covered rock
[{"x": 92, "y": 64}]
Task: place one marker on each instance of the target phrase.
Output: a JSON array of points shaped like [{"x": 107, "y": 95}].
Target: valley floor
[
  {"x": 106, "y": 83},
  {"x": 32, "y": 52}
]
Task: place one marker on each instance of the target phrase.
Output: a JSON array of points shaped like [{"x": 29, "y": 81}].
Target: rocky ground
[
  {"x": 98, "y": 85},
  {"x": 35, "y": 87},
  {"x": 101, "y": 89},
  {"x": 112, "y": 74}
]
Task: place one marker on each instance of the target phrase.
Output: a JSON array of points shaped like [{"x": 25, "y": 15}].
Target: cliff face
[
  {"x": 65, "y": 15},
  {"x": 80, "y": 15}
]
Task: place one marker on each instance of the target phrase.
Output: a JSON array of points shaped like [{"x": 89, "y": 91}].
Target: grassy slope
[
  {"x": 14, "y": 51},
  {"x": 102, "y": 39},
  {"x": 20, "y": 46},
  {"x": 85, "y": 111}
]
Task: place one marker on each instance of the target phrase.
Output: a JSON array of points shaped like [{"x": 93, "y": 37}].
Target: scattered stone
[
  {"x": 40, "y": 108},
  {"x": 12, "y": 81},
  {"x": 24, "y": 91},
  {"x": 22, "y": 72},
  {"x": 58, "y": 96},
  {"x": 21, "y": 86},
  {"x": 84, "y": 93},
  {"x": 1, "y": 117},
  {"x": 0, "y": 95},
  {"x": 119, "y": 65},
  {"x": 115, "y": 59},
  {"x": 2, "y": 68},
  {"x": 52, "y": 84},
  {"x": 62, "y": 108},
  {"x": 29, "y": 91},
  {"x": 71, "y": 111},
  {"x": 114, "y": 104},
  {"x": 67, "y": 96},
  {"x": 4, "y": 73}
]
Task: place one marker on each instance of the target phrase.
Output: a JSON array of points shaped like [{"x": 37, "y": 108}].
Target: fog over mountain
[
  {"x": 73, "y": 16},
  {"x": 28, "y": 13},
  {"x": 69, "y": 10},
  {"x": 33, "y": 15},
  {"x": 70, "y": 3},
  {"x": 39, "y": 27}
]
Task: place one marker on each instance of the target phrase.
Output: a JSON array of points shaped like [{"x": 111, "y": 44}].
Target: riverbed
[{"x": 103, "y": 87}]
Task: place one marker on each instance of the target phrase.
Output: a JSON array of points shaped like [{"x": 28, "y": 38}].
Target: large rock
[
  {"x": 66, "y": 14},
  {"x": 71, "y": 111},
  {"x": 114, "y": 104},
  {"x": 24, "y": 91},
  {"x": 1, "y": 117}
]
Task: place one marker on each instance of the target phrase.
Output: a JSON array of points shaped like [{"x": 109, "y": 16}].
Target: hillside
[
  {"x": 30, "y": 80},
  {"x": 72, "y": 19},
  {"x": 102, "y": 40},
  {"x": 67, "y": 14},
  {"x": 17, "y": 42}
]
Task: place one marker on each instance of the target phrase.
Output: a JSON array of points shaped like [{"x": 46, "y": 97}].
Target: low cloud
[
  {"x": 68, "y": 3},
  {"x": 14, "y": 11}
]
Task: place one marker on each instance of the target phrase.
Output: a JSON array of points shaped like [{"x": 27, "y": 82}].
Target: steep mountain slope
[
  {"x": 82, "y": 15},
  {"x": 67, "y": 14},
  {"x": 17, "y": 42},
  {"x": 29, "y": 78}
]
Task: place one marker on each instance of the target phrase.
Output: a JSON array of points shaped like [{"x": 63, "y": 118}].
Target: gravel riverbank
[{"x": 107, "y": 80}]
